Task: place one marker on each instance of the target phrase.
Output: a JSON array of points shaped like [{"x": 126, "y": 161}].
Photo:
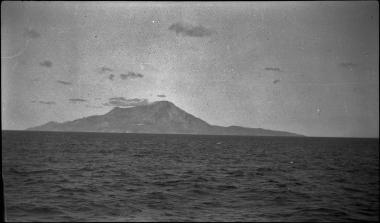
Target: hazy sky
[{"x": 305, "y": 67}]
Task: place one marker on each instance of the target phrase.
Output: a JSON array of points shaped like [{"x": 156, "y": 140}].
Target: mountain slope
[{"x": 158, "y": 117}]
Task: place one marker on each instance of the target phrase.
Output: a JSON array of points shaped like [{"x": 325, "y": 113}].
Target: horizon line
[{"x": 297, "y": 136}]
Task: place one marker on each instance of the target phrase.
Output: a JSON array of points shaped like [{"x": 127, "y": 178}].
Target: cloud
[
  {"x": 75, "y": 100},
  {"x": 64, "y": 82},
  {"x": 44, "y": 102},
  {"x": 131, "y": 75},
  {"x": 276, "y": 81},
  {"x": 104, "y": 69},
  {"x": 348, "y": 65},
  {"x": 190, "y": 30},
  {"x": 273, "y": 69},
  {"x": 161, "y": 95},
  {"x": 46, "y": 63},
  {"x": 31, "y": 33},
  {"x": 111, "y": 76},
  {"x": 47, "y": 102},
  {"x": 123, "y": 102}
]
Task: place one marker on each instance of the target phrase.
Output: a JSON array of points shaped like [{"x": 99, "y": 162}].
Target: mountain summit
[{"x": 161, "y": 117}]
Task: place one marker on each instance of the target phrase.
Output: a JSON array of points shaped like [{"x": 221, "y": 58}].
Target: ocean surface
[{"x": 133, "y": 177}]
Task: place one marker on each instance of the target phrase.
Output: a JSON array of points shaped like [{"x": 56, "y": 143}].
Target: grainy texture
[{"x": 131, "y": 177}]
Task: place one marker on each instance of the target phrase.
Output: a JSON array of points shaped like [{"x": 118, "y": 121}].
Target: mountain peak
[
  {"x": 163, "y": 103},
  {"x": 160, "y": 104}
]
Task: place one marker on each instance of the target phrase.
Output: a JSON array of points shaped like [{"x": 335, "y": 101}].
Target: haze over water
[{"x": 133, "y": 177}]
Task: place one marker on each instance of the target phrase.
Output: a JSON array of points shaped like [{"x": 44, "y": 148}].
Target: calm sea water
[{"x": 131, "y": 177}]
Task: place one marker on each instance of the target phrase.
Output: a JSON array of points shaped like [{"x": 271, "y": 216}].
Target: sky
[{"x": 306, "y": 67}]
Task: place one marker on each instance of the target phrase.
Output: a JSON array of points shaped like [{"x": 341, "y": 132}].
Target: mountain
[{"x": 161, "y": 117}]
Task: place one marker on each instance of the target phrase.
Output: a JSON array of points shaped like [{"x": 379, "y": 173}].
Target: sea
[{"x": 67, "y": 176}]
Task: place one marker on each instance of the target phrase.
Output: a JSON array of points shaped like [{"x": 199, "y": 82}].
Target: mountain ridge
[{"x": 160, "y": 117}]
